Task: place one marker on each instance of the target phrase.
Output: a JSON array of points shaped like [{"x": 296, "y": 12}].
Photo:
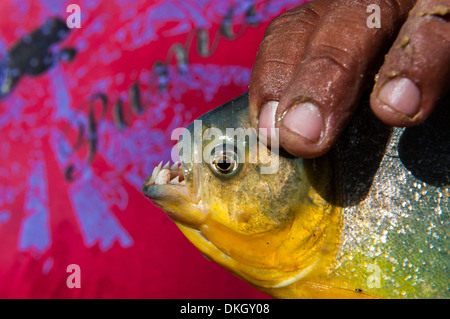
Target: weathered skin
[{"x": 368, "y": 219}]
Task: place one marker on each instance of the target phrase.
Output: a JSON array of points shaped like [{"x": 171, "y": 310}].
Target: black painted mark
[
  {"x": 119, "y": 116},
  {"x": 68, "y": 173},
  {"x": 32, "y": 55},
  {"x": 135, "y": 99},
  {"x": 92, "y": 134}
]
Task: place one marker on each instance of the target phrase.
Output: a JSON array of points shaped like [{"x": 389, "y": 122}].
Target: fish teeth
[
  {"x": 183, "y": 182},
  {"x": 154, "y": 175},
  {"x": 161, "y": 174},
  {"x": 176, "y": 180},
  {"x": 163, "y": 177},
  {"x": 166, "y": 166}
]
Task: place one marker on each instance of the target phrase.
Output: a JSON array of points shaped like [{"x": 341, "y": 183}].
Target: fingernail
[
  {"x": 267, "y": 130},
  {"x": 304, "y": 119},
  {"x": 402, "y": 95},
  {"x": 267, "y": 115}
]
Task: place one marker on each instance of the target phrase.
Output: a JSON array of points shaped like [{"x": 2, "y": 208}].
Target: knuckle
[
  {"x": 345, "y": 58},
  {"x": 295, "y": 18},
  {"x": 422, "y": 44},
  {"x": 273, "y": 50}
]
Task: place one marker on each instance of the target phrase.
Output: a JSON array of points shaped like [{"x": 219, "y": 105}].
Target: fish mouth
[
  {"x": 166, "y": 175},
  {"x": 168, "y": 188}
]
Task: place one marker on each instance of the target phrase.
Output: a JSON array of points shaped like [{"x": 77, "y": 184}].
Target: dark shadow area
[
  {"x": 425, "y": 149},
  {"x": 354, "y": 159}
]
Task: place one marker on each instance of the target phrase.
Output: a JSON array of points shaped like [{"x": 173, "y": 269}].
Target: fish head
[{"x": 241, "y": 203}]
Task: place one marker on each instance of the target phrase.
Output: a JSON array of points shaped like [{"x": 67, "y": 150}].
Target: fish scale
[{"x": 394, "y": 211}]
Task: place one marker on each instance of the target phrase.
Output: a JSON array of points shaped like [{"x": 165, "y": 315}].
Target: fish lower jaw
[{"x": 260, "y": 278}]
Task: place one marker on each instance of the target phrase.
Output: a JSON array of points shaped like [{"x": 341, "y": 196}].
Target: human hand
[{"x": 315, "y": 60}]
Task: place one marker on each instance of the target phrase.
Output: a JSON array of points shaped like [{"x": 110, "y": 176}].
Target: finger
[
  {"x": 416, "y": 71},
  {"x": 278, "y": 57},
  {"x": 322, "y": 95}
]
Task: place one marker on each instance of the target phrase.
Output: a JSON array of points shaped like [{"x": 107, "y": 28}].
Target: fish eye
[{"x": 224, "y": 160}]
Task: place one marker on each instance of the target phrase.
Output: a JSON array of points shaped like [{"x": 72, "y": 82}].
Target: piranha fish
[{"x": 370, "y": 219}]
